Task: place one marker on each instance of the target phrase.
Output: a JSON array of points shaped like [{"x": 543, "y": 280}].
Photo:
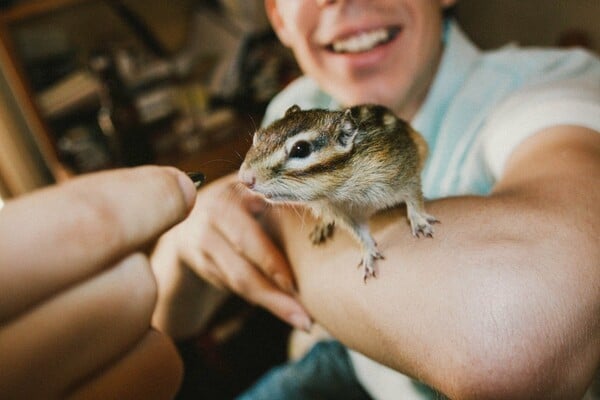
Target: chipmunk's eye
[{"x": 300, "y": 149}]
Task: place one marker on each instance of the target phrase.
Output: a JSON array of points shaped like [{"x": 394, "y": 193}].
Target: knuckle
[
  {"x": 133, "y": 292},
  {"x": 268, "y": 264},
  {"x": 145, "y": 290},
  {"x": 200, "y": 263},
  {"x": 240, "y": 284},
  {"x": 236, "y": 239},
  {"x": 204, "y": 234},
  {"x": 213, "y": 278},
  {"x": 94, "y": 221},
  {"x": 203, "y": 263}
]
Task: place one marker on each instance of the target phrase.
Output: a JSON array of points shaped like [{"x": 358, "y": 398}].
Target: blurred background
[
  {"x": 93, "y": 84},
  {"x": 87, "y": 85}
]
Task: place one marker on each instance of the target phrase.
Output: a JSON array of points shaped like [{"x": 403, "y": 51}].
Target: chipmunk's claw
[
  {"x": 421, "y": 225},
  {"x": 368, "y": 264},
  {"x": 367, "y": 275}
]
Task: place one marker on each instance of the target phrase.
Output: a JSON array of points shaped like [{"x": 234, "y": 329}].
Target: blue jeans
[{"x": 324, "y": 373}]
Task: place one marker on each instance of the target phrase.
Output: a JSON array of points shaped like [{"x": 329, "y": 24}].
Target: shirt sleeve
[{"x": 533, "y": 109}]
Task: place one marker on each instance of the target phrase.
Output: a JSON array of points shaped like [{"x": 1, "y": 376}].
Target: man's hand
[
  {"x": 222, "y": 242},
  {"x": 77, "y": 291}
]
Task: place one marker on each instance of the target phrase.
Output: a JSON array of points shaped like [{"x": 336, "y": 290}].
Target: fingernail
[
  {"x": 284, "y": 283},
  {"x": 301, "y": 321}
]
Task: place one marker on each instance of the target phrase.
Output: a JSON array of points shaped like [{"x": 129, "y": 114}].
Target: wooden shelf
[
  {"x": 24, "y": 99},
  {"x": 216, "y": 158}
]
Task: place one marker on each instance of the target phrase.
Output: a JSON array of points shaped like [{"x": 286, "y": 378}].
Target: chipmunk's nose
[{"x": 247, "y": 176}]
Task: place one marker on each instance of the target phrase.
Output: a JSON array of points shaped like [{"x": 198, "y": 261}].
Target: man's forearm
[{"x": 488, "y": 301}]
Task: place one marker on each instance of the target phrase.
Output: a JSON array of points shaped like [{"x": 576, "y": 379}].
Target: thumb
[{"x": 63, "y": 234}]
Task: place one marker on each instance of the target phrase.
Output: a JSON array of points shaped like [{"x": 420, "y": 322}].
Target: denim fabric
[{"x": 324, "y": 373}]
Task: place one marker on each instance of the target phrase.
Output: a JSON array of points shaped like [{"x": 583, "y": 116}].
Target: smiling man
[
  {"x": 504, "y": 301},
  {"x": 362, "y": 52}
]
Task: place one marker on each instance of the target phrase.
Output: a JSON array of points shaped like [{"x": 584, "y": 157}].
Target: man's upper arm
[
  {"x": 556, "y": 153},
  {"x": 537, "y": 108},
  {"x": 556, "y": 173}
]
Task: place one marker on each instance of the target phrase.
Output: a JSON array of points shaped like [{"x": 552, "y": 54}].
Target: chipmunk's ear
[
  {"x": 292, "y": 109},
  {"x": 347, "y": 129}
]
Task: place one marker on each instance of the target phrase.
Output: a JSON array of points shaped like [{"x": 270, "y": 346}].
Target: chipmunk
[{"x": 345, "y": 165}]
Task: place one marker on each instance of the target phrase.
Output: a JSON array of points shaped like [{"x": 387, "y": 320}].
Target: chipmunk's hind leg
[
  {"x": 321, "y": 232},
  {"x": 420, "y": 221}
]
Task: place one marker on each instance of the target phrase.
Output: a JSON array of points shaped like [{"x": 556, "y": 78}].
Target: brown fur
[{"x": 362, "y": 159}]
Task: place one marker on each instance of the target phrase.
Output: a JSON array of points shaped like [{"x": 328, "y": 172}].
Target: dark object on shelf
[
  {"x": 121, "y": 121},
  {"x": 44, "y": 72},
  {"x": 83, "y": 149},
  {"x": 80, "y": 143}
]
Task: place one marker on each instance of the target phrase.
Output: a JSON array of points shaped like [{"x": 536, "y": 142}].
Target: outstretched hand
[{"x": 77, "y": 291}]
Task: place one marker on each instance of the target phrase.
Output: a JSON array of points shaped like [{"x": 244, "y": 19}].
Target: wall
[{"x": 492, "y": 23}]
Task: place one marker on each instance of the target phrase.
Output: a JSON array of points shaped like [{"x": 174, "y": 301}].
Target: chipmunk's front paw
[
  {"x": 421, "y": 225},
  {"x": 321, "y": 232},
  {"x": 368, "y": 263}
]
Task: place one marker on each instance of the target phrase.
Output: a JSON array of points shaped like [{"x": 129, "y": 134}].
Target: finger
[
  {"x": 63, "y": 234},
  {"x": 190, "y": 244},
  {"x": 186, "y": 299},
  {"x": 247, "y": 281},
  {"x": 151, "y": 370},
  {"x": 205, "y": 267},
  {"x": 78, "y": 331},
  {"x": 247, "y": 237},
  {"x": 175, "y": 252}
]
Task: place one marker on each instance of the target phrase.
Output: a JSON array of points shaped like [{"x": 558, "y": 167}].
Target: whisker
[
  {"x": 230, "y": 166},
  {"x": 234, "y": 193},
  {"x": 239, "y": 189},
  {"x": 223, "y": 160},
  {"x": 301, "y": 216},
  {"x": 254, "y": 125}
]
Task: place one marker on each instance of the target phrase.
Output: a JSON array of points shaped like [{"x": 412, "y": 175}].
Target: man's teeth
[{"x": 362, "y": 42}]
